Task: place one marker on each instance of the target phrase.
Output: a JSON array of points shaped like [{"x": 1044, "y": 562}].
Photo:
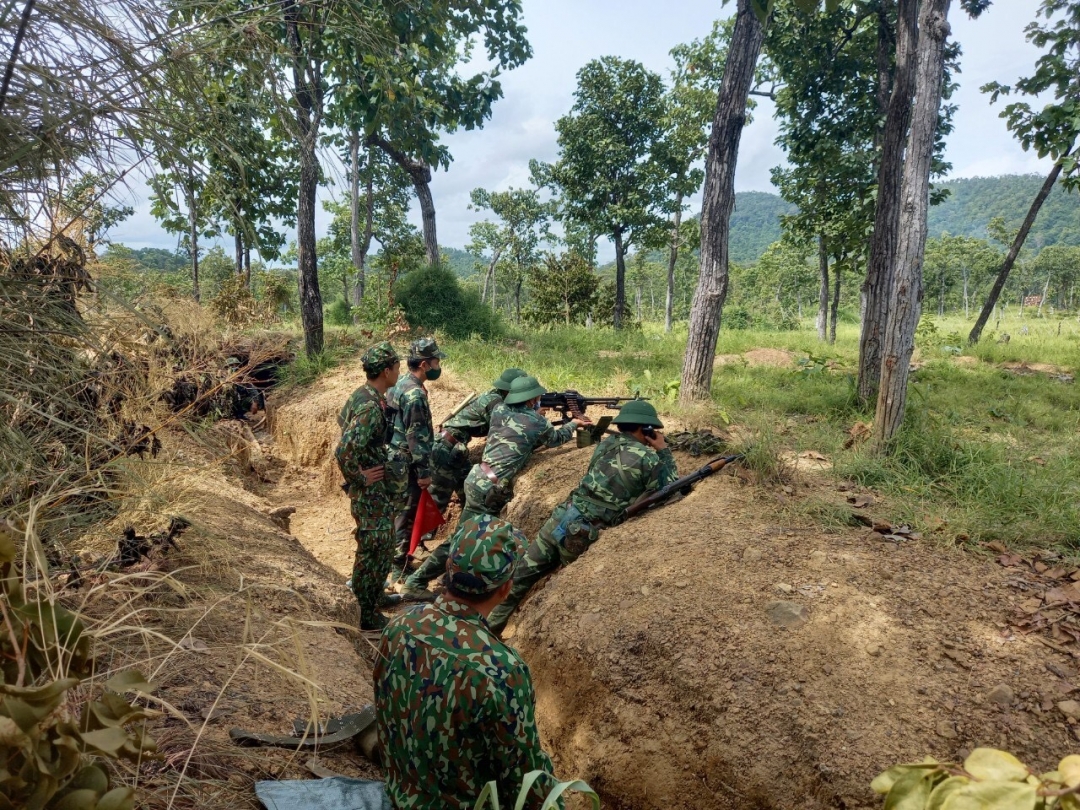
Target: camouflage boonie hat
[
  {"x": 483, "y": 554},
  {"x": 425, "y": 349},
  {"x": 506, "y": 379},
  {"x": 638, "y": 412},
  {"x": 379, "y": 357}
]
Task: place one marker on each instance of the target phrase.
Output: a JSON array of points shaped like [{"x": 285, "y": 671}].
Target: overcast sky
[{"x": 565, "y": 34}]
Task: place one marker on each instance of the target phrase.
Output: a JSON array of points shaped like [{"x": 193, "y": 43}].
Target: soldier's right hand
[
  {"x": 656, "y": 442},
  {"x": 373, "y": 475},
  {"x": 582, "y": 422}
]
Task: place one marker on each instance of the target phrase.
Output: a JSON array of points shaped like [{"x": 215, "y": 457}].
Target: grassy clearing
[{"x": 987, "y": 453}]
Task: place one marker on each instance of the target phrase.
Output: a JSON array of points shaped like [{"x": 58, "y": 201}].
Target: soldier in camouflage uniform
[
  {"x": 455, "y": 706},
  {"x": 623, "y": 467},
  {"x": 408, "y": 465},
  {"x": 361, "y": 455},
  {"x": 450, "y": 466},
  {"x": 516, "y": 430}
]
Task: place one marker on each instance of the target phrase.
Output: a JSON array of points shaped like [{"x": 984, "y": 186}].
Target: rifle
[
  {"x": 572, "y": 405},
  {"x": 682, "y": 485}
]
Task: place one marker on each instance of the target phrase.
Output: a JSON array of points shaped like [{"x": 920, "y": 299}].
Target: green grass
[
  {"x": 986, "y": 454},
  {"x": 339, "y": 344}
]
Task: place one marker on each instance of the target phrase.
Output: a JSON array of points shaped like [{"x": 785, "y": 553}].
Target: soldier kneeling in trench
[
  {"x": 624, "y": 467},
  {"x": 455, "y": 706}
]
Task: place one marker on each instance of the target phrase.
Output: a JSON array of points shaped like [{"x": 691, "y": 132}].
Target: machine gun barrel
[
  {"x": 683, "y": 485},
  {"x": 572, "y": 404}
]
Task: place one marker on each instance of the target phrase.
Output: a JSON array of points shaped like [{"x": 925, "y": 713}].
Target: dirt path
[{"x": 663, "y": 677}]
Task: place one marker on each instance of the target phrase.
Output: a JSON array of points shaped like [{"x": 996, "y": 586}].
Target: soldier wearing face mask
[
  {"x": 517, "y": 429},
  {"x": 408, "y": 464}
]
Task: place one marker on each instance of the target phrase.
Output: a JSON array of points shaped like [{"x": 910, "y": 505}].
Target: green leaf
[
  {"x": 122, "y": 798},
  {"x": 806, "y": 6},
  {"x": 994, "y": 795},
  {"x": 944, "y": 790},
  {"x": 490, "y": 792},
  {"x": 761, "y": 9},
  {"x": 832, "y": 5},
  {"x": 987, "y": 764},
  {"x": 526, "y": 786},
  {"x": 91, "y": 778},
  {"x": 77, "y": 800},
  {"x": 106, "y": 740},
  {"x": 1069, "y": 768},
  {"x": 130, "y": 681},
  {"x": 577, "y": 786},
  {"x": 910, "y": 792}
]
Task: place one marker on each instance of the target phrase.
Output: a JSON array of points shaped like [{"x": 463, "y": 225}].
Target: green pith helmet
[
  {"x": 523, "y": 389},
  {"x": 506, "y": 379},
  {"x": 638, "y": 412},
  {"x": 425, "y": 349}
]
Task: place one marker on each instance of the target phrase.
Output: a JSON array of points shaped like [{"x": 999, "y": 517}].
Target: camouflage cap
[
  {"x": 506, "y": 379},
  {"x": 638, "y": 412},
  {"x": 425, "y": 349},
  {"x": 483, "y": 554},
  {"x": 379, "y": 357}
]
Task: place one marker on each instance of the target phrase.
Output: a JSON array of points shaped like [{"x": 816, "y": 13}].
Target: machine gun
[
  {"x": 682, "y": 485},
  {"x": 572, "y": 405}
]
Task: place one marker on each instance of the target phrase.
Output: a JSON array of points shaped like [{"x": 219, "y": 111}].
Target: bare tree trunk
[
  {"x": 238, "y": 248},
  {"x": 247, "y": 265},
  {"x": 517, "y": 300},
  {"x": 1014, "y": 251},
  {"x": 1046, "y": 289},
  {"x": 359, "y": 245},
  {"x": 823, "y": 289},
  {"x": 941, "y": 293},
  {"x": 308, "y": 109},
  {"x": 420, "y": 174},
  {"x": 967, "y": 275},
  {"x": 718, "y": 200},
  {"x": 673, "y": 256},
  {"x": 906, "y": 304},
  {"x": 835, "y": 301},
  {"x": 620, "y": 279},
  {"x": 193, "y": 235},
  {"x": 883, "y": 244},
  {"x": 489, "y": 277}
]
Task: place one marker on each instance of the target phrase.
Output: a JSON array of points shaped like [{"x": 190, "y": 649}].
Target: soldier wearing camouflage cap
[
  {"x": 450, "y": 466},
  {"x": 624, "y": 467},
  {"x": 455, "y": 706},
  {"x": 361, "y": 456},
  {"x": 408, "y": 464},
  {"x": 517, "y": 429}
]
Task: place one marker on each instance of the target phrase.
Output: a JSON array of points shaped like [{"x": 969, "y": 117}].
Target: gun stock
[{"x": 683, "y": 485}]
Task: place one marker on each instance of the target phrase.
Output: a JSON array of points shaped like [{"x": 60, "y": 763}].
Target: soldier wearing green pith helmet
[
  {"x": 516, "y": 431},
  {"x": 623, "y": 468},
  {"x": 455, "y": 707},
  {"x": 450, "y": 466},
  {"x": 408, "y": 465}
]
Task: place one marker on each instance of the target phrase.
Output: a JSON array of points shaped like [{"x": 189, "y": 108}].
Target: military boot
[{"x": 376, "y": 621}]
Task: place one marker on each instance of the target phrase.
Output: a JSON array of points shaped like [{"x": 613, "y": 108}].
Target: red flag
[{"x": 428, "y": 518}]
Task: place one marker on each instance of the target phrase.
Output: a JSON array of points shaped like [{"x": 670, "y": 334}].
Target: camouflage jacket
[
  {"x": 474, "y": 420},
  {"x": 352, "y": 404},
  {"x": 515, "y": 432},
  {"x": 455, "y": 710},
  {"x": 621, "y": 470},
  {"x": 363, "y": 445},
  {"x": 412, "y": 424}
]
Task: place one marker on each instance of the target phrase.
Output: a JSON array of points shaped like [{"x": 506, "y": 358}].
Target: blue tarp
[{"x": 334, "y": 793}]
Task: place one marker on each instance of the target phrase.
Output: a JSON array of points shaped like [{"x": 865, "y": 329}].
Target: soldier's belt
[
  {"x": 448, "y": 437},
  {"x": 489, "y": 473}
]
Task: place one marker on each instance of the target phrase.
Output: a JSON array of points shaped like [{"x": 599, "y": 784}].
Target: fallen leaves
[{"x": 1052, "y": 607}]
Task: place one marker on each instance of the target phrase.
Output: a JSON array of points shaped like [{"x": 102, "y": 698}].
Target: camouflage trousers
[
  {"x": 434, "y": 567},
  {"x": 564, "y": 537},
  {"x": 483, "y": 497},
  {"x": 405, "y": 498},
  {"x": 449, "y": 468},
  {"x": 374, "y": 554}
]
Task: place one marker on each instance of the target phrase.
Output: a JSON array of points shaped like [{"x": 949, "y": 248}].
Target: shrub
[
  {"x": 433, "y": 299},
  {"x": 339, "y": 313},
  {"x": 737, "y": 317}
]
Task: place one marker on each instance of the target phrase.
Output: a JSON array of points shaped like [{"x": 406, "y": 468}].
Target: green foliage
[
  {"x": 489, "y": 796},
  {"x": 973, "y": 202},
  {"x": 234, "y": 303},
  {"x": 433, "y": 299},
  {"x": 755, "y": 224},
  {"x": 47, "y": 755},
  {"x": 562, "y": 290},
  {"x": 988, "y": 779},
  {"x": 339, "y": 313}
]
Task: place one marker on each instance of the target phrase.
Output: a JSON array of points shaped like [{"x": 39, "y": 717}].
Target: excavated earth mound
[{"x": 664, "y": 681}]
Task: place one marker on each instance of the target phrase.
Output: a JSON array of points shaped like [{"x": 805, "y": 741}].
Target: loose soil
[{"x": 661, "y": 679}]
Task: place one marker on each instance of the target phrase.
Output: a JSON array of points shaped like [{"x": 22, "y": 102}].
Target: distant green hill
[
  {"x": 461, "y": 262},
  {"x": 974, "y": 201},
  {"x": 755, "y": 224}
]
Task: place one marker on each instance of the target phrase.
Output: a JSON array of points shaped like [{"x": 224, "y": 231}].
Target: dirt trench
[{"x": 663, "y": 681}]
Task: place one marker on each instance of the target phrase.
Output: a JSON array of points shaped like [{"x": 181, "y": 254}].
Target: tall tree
[
  {"x": 691, "y": 100},
  {"x": 905, "y": 304},
  {"x": 877, "y": 289},
  {"x": 608, "y": 174},
  {"x": 719, "y": 198}
]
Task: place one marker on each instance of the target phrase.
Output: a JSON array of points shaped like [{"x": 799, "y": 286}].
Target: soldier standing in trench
[
  {"x": 623, "y": 468},
  {"x": 361, "y": 455},
  {"x": 408, "y": 465},
  {"x": 517, "y": 429},
  {"x": 450, "y": 466},
  {"x": 455, "y": 706}
]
